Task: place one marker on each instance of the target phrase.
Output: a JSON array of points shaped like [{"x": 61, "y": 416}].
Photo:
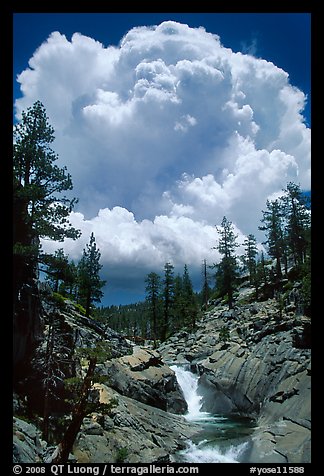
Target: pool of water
[{"x": 220, "y": 438}]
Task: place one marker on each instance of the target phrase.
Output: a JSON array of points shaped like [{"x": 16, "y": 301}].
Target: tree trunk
[
  {"x": 49, "y": 371},
  {"x": 88, "y": 302},
  {"x": 62, "y": 451}
]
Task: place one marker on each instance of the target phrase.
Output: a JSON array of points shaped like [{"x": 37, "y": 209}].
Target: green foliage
[
  {"x": 224, "y": 334},
  {"x": 288, "y": 287},
  {"x": 73, "y": 384},
  {"x": 206, "y": 290},
  {"x": 61, "y": 273},
  {"x": 58, "y": 300},
  {"x": 80, "y": 308},
  {"x": 121, "y": 455},
  {"x": 280, "y": 304},
  {"x": 287, "y": 223},
  {"x": 154, "y": 303},
  {"x": 89, "y": 282},
  {"x": 101, "y": 351},
  {"x": 295, "y": 206},
  {"x": 26, "y": 251},
  {"x": 251, "y": 252},
  {"x": 38, "y": 180},
  {"x": 25, "y": 418},
  {"x": 227, "y": 269},
  {"x": 274, "y": 228},
  {"x": 306, "y": 292},
  {"x": 129, "y": 319},
  {"x": 168, "y": 299}
]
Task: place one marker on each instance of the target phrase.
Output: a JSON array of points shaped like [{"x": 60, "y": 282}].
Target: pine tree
[
  {"x": 90, "y": 283},
  {"x": 39, "y": 211},
  {"x": 205, "y": 292},
  {"x": 168, "y": 298},
  {"x": 153, "y": 289},
  {"x": 297, "y": 216},
  {"x": 178, "y": 304},
  {"x": 251, "y": 252},
  {"x": 57, "y": 268},
  {"x": 261, "y": 277},
  {"x": 227, "y": 268},
  {"x": 68, "y": 286},
  {"x": 190, "y": 304},
  {"x": 274, "y": 228}
]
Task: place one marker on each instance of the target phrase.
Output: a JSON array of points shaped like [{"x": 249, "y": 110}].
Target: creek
[{"x": 221, "y": 438}]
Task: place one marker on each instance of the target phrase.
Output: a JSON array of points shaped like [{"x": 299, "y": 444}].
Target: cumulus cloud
[
  {"x": 131, "y": 249},
  {"x": 165, "y": 134}
]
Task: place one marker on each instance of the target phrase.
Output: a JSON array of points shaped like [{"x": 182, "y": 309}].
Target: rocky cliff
[
  {"x": 262, "y": 371},
  {"x": 259, "y": 368},
  {"x": 136, "y": 402}
]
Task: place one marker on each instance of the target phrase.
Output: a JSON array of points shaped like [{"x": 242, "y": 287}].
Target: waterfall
[
  {"x": 188, "y": 382},
  {"x": 205, "y": 451}
]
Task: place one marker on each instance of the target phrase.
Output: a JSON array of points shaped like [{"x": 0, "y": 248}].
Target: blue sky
[{"x": 167, "y": 128}]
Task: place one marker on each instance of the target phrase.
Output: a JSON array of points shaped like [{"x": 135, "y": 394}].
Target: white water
[
  {"x": 204, "y": 451},
  {"x": 208, "y": 454},
  {"x": 189, "y": 386}
]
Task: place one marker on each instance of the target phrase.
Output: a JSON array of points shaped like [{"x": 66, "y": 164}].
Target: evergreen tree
[
  {"x": 274, "y": 228},
  {"x": 251, "y": 252},
  {"x": 153, "y": 289},
  {"x": 57, "y": 268},
  {"x": 178, "y": 304},
  {"x": 90, "y": 283},
  {"x": 227, "y": 269},
  {"x": 205, "y": 292},
  {"x": 168, "y": 298},
  {"x": 261, "y": 277},
  {"x": 68, "y": 286},
  {"x": 297, "y": 215},
  {"x": 39, "y": 211},
  {"x": 190, "y": 304}
]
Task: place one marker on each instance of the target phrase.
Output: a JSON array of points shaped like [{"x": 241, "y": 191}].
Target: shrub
[
  {"x": 121, "y": 455},
  {"x": 224, "y": 334},
  {"x": 58, "y": 299},
  {"x": 80, "y": 309}
]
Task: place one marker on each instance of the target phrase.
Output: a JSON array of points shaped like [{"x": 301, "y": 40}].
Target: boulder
[
  {"x": 144, "y": 377},
  {"x": 27, "y": 445},
  {"x": 136, "y": 432}
]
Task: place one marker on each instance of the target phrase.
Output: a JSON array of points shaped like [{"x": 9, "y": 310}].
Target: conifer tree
[
  {"x": 205, "y": 292},
  {"x": 153, "y": 290},
  {"x": 90, "y": 283},
  {"x": 297, "y": 216},
  {"x": 189, "y": 298},
  {"x": 251, "y": 252},
  {"x": 261, "y": 277},
  {"x": 57, "y": 268},
  {"x": 178, "y": 304},
  {"x": 168, "y": 298},
  {"x": 274, "y": 228},
  {"x": 39, "y": 211},
  {"x": 227, "y": 269}
]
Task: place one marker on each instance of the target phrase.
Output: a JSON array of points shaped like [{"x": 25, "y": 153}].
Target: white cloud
[
  {"x": 131, "y": 249},
  {"x": 173, "y": 126},
  {"x": 241, "y": 190},
  {"x": 148, "y": 244}
]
